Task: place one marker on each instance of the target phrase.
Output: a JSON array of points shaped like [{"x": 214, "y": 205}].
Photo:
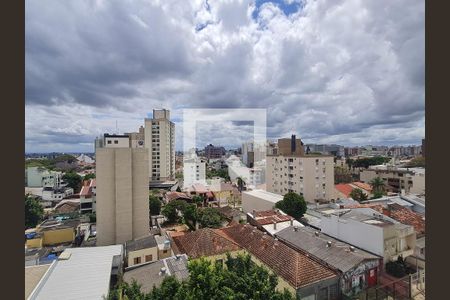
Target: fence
[{"x": 406, "y": 288}]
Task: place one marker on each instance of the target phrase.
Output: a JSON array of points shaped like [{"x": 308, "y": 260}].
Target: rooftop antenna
[{"x": 117, "y": 130}]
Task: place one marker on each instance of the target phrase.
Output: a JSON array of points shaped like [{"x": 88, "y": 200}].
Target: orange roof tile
[
  {"x": 204, "y": 242},
  {"x": 296, "y": 268},
  {"x": 344, "y": 188}
]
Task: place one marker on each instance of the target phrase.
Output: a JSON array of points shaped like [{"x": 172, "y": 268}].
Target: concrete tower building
[
  {"x": 122, "y": 191},
  {"x": 291, "y": 170},
  {"x": 160, "y": 141}
]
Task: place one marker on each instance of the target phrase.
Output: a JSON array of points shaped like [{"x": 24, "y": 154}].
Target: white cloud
[{"x": 335, "y": 71}]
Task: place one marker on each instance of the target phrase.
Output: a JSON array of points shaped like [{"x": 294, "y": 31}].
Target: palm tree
[
  {"x": 241, "y": 183},
  {"x": 377, "y": 185}
]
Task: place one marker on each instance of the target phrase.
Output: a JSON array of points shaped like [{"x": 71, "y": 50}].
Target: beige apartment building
[
  {"x": 291, "y": 170},
  {"x": 159, "y": 135},
  {"x": 122, "y": 194},
  {"x": 409, "y": 180}
]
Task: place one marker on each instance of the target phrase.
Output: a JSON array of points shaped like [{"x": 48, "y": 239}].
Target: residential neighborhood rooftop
[
  {"x": 296, "y": 268},
  {"x": 268, "y": 196},
  {"x": 84, "y": 273},
  {"x": 337, "y": 254},
  {"x": 141, "y": 243},
  {"x": 204, "y": 242}
]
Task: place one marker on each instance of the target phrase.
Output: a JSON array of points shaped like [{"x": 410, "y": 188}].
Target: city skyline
[{"x": 328, "y": 76}]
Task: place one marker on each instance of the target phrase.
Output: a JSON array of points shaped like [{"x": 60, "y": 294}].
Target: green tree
[
  {"x": 292, "y": 204},
  {"x": 190, "y": 215},
  {"x": 198, "y": 200},
  {"x": 89, "y": 176},
  {"x": 154, "y": 205},
  {"x": 241, "y": 183},
  {"x": 377, "y": 185},
  {"x": 171, "y": 209},
  {"x": 34, "y": 212},
  {"x": 358, "y": 195},
  {"x": 210, "y": 217},
  {"x": 241, "y": 279},
  {"x": 418, "y": 162},
  {"x": 73, "y": 180}
]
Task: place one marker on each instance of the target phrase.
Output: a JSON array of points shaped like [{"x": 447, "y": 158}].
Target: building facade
[
  {"x": 122, "y": 194},
  {"x": 371, "y": 231},
  {"x": 212, "y": 151},
  {"x": 194, "y": 171},
  {"x": 159, "y": 135}
]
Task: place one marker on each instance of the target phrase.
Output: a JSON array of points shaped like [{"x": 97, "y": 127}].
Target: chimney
[
  {"x": 328, "y": 244},
  {"x": 352, "y": 249},
  {"x": 274, "y": 225},
  {"x": 254, "y": 213},
  {"x": 292, "y": 222},
  {"x": 295, "y": 228},
  {"x": 316, "y": 233},
  {"x": 162, "y": 271}
]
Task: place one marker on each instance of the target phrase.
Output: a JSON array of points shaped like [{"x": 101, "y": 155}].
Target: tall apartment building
[
  {"x": 159, "y": 136},
  {"x": 291, "y": 170},
  {"x": 252, "y": 153},
  {"x": 137, "y": 139},
  {"x": 194, "y": 171},
  {"x": 212, "y": 151},
  {"x": 122, "y": 190}
]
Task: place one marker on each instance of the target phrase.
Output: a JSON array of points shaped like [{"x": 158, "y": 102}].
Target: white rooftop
[
  {"x": 268, "y": 196},
  {"x": 84, "y": 275},
  {"x": 280, "y": 226}
]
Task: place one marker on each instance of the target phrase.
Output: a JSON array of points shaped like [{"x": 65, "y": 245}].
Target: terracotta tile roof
[
  {"x": 363, "y": 186},
  {"x": 344, "y": 188},
  {"x": 204, "y": 242},
  {"x": 176, "y": 195},
  {"x": 398, "y": 213},
  {"x": 294, "y": 267},
  {"x": 406, "y": 216}
]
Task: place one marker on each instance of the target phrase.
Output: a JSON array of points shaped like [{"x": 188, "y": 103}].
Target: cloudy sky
[{"x": 337, "y": 71}]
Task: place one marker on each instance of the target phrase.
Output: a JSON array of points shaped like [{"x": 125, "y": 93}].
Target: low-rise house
[
  {"x": 78, "y": 273},
  {"x": 271, "y": 221},
  {"x": 231, "y": 214},
  {"x": 52, "y": 232},
  {"x": 67, "y": 206},
  {"x": 371, "y": 231},
  {"x": 141, "y": 250},
  {"x": 205, "y": 242},
  {"x": 56, "y": 194},
  {"x": 358, "y": 269},
  {"x": 88, "y": 196},
  {"x": 259, "y": 200},
  {"x": 299, "y": 273},
  {"x": 164, "y": 246},
  {"x": 223, "y": 192},
  {"x": 171, "y": 196},
  {"x": 152, "y": 274}
]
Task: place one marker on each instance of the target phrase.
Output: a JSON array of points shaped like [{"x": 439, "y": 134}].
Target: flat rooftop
[
  {"x": 85, "y": 274},
  {"x": 33, "y": 275},
  {"x": 268, "y": 196}
]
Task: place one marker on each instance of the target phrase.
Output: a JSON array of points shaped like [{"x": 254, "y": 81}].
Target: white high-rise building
[
  {"x": 252, "y": 153},
  {"x": 194, "y": 170},
  {"x": 159, "y": 135}
]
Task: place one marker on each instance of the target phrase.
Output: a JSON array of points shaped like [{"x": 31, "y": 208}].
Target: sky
[{"x": 349, "y": 72}]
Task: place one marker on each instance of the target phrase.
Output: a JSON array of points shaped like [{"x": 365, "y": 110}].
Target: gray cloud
[{"x": 350, "y": 72}]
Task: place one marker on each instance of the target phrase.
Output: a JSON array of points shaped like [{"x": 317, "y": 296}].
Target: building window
[
  {"x": 148, "y": 258},
  {"x": 116, "y": 141},
  {"x": 164, "y": 251},
  {"x": 109, "y": 142},
  {"x": 137, "y": 260}
]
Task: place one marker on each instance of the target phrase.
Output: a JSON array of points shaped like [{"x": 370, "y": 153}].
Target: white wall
[
  {"x": 367, "y": 237},
  {"x": 251, "y": 202}
]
